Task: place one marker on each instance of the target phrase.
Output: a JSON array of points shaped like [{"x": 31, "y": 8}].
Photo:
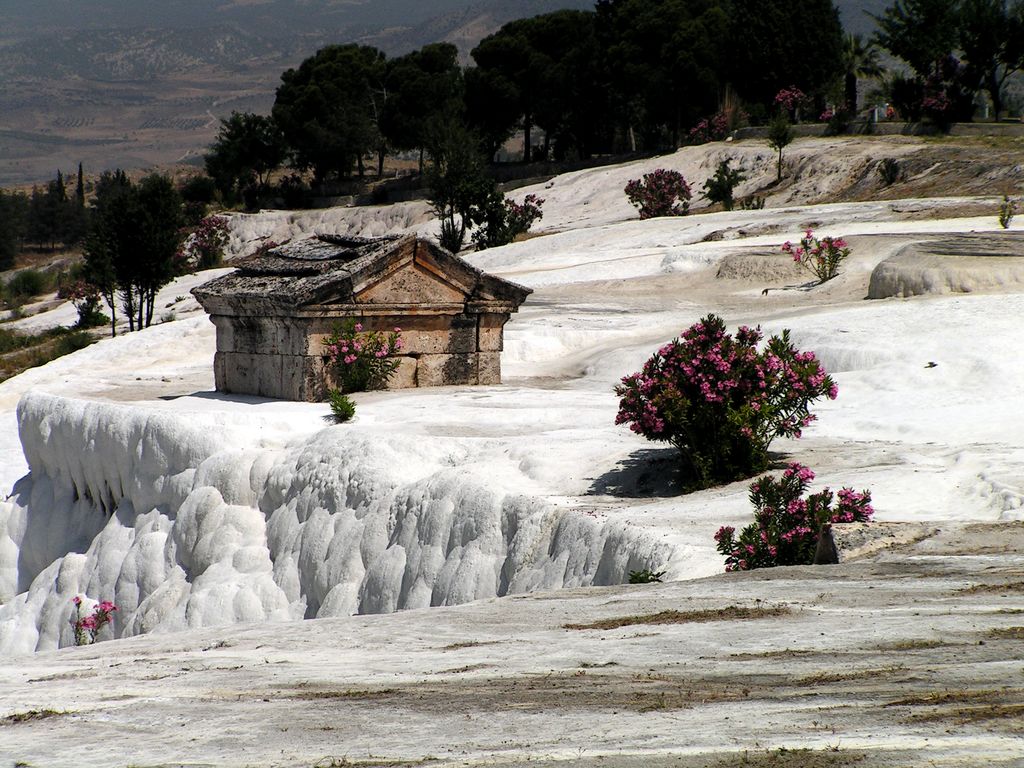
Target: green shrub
[
  {"x": 646, "y": 576},
  {"x": 27, "y": 284},
  {"x": 780, "y": 136},
  {"x": 719, "y": 188},
  {"x": 1007, "y": 209},
  {"x": 889, "y": 171},
  {"x": 504, "y": 220},
  {"x": 342, "y": 407}
]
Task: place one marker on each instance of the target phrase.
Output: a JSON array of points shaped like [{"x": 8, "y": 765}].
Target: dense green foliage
[
  {"x": 631, "y": 75},
  {"x": 13, "y": 226},
  {"x": 921, "y": 32},
  {"x": 860, "y": 59},
  {"x": 992, "y": 41},
  {"x": 134, "y": 236},
  {"x": 720, "y": 187},
  {"x": 459, "y": 189},
  {"x": 930, "y": 34},
  {"x": 330, "y": 108},
  {"x": 777, "y": 43},
  {"x": 424, "y": 88},
  {"x": 541, "y": 71},
  {"x": 665, "y": 65},
  {"x": 247, "y": 149}
]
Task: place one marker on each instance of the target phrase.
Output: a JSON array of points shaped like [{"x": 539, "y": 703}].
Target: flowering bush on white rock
[{"x": 181, "y": 529}]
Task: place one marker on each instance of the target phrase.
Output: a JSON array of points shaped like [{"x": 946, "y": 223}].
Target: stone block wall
[{"x": 282, "y": 357}]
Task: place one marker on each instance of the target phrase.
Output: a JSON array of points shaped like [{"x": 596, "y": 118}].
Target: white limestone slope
[
  {"x": 201, "y": 510},
  {"x": 182, "y": 528}
]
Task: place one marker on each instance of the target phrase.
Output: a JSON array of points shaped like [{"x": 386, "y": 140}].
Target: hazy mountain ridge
[
  {"x": 143, "y": 83},
  {"x": 125, "y": 54}
]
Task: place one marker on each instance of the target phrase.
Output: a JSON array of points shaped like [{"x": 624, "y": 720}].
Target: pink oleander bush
[
  {"x": 718, "y": 126},
  {"x": 87, "y": 627},
  {"x": 786, "y": 525},
  {"x": 660, "y": 193},
  {"x": 359, "y": 360},
  {"x": 505, "y": 220},
  {"x": 721, "y": 400},
  {"x": 822, "y": 257},
  {"x": 790, "y": 99},
  {"x": 205, "y": 245}
]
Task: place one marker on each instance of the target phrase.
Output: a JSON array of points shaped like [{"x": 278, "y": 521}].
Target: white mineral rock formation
[{"x": 183, "y": 528}]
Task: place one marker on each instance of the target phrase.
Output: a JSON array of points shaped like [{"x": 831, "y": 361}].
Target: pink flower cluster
[
  {"x": 203, "y": 248},
  {"x": 660, "y": 193},
  {"x": 360, "y": 360},
  {"x": 721, "y": 400},
  {"x": 87, "y": 627},
  {"x": 821, "y": 256},
  {"x": 786, "y": 525},
  {"x": 790, "y": 98}
]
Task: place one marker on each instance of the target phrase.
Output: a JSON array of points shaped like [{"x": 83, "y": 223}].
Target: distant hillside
[{"x": 143, "y": 83}]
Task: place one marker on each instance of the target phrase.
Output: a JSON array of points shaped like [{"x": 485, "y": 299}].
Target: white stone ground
[{"x": 911, "y": 659}]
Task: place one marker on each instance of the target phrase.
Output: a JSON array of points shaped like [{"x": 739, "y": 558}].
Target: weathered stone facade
[{"x": 273, "y": 314}]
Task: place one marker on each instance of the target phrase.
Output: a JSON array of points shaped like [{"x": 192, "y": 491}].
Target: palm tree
[{"x": 860, "y": 59}]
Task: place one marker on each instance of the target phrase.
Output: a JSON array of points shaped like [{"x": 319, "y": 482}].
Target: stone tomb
[{"x": 273, "y": 313}]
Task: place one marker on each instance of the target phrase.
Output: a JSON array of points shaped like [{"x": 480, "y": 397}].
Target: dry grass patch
[
  {"x": 967, "y": 706},
  {"x": 938, "y": 698},
  {"x": 990, "y": 589},
  {"x": 792, "y": 758},
  {"x": 352, "y": 693},
  {"x": 1006, "y": 633},
  {"x": 344, "y": 762},
  {"x": 469, "y": 644},
  {"x": 785, "y": 653},
  {"x": 1012, "y": 713},
  {"x": 30, "y": 716},
  {"x": 913, "y": 645},
  {"x": 824, "y": 678},
  {"x": 730, "y": 613}
]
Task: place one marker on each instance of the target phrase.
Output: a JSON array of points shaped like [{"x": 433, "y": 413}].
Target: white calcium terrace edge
[{"x": 235, "y": 509}]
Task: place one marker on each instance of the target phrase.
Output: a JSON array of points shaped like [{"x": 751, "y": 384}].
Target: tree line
[
  {"x": 630, "y": 75},
  {"x": 135, "y": 237},
  {"x": 47, "y": 217},
  {"x": 955, "y": 49}
]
